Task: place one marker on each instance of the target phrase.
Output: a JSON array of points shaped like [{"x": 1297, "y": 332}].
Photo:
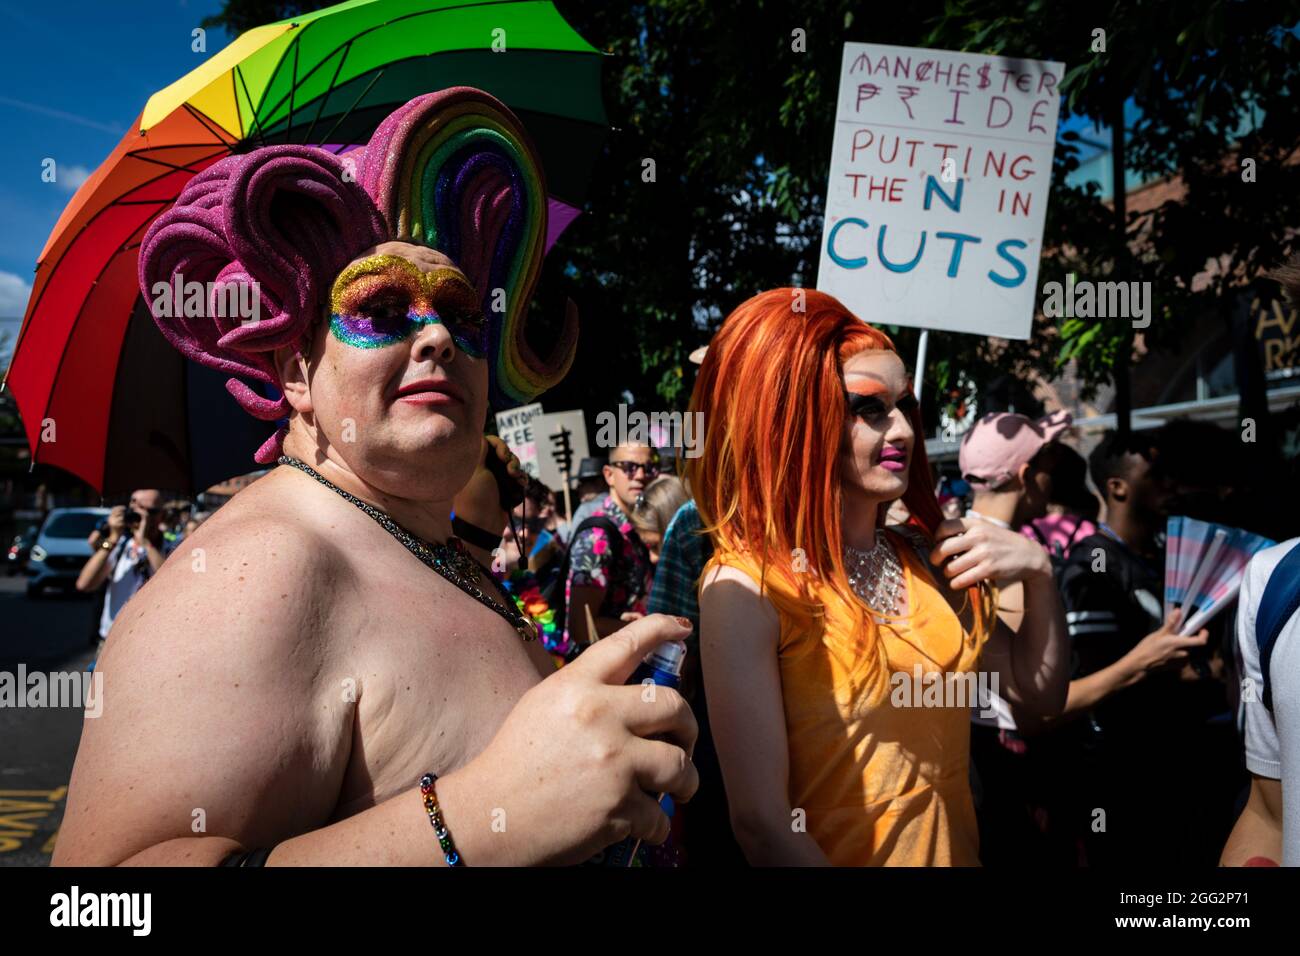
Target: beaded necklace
[
  {"x": 449, "y": 560},
  {"x": 876, "y": 576}
]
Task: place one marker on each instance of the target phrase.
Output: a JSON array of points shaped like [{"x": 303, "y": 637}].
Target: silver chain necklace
[
  {"x": 876, "y": 576},
  {"x": 449, "y": 560}
]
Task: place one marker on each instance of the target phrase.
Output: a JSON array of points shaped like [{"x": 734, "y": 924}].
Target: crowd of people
[
  {"x": 1143, "y": 759},
  {"x": 347, "y": 671}
]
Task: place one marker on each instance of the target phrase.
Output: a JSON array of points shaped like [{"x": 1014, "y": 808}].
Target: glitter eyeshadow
[
  {"x": 370, "y": 278},
  {"x": 360, "y": 332}
]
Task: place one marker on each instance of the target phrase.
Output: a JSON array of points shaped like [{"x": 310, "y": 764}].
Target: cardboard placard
[{"x": 939, "y": 179}]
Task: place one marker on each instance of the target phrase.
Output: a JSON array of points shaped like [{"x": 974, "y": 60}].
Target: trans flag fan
[{"x": 1204, "y": 565}]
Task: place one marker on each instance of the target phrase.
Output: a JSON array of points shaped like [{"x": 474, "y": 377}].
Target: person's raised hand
[
  {"x": 578, "y": 762},
  {"x": 504, "y": 464},
  {"x": 970, "y": 551},
  {"x": 117, "y": 522},
  {"x": 1165, "y": 646}
]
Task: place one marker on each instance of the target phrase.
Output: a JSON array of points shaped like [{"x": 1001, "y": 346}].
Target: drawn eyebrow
[
  {"x": 387, "y": 273},
  {"x": 444, "y": 277},
  {"x": 371, "y": 265},
  {"x": 372, "y": 290}
]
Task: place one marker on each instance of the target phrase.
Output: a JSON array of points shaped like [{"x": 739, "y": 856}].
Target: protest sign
[
  {"x": 515, "y": 426},
  {"x": 560, "y": 436},
  {"x": 939, "y": 178}
]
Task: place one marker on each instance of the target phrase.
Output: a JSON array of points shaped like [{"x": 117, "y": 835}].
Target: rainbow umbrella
[{"x": 91, "y": 371}]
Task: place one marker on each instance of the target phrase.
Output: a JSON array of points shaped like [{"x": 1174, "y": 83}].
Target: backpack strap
[
  {"x": 555, "y": 591},
  {"x": 608, "y": 526},
  {"x": 1278, "y": 605}
]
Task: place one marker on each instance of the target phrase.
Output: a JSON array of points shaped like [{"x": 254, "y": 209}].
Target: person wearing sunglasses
[
  {"x": 609, "y": 565},
  {"x": 820, "y": 625},
  {"x": 127, "y": 552}
]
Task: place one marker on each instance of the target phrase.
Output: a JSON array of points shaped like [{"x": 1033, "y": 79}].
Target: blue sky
[{"x": 76, "y": 75}]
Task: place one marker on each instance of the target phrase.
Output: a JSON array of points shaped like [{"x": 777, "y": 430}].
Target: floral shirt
[{"x": 592, "y": 564}]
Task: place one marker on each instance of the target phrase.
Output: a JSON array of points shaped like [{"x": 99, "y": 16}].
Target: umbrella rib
[
  {"x": 211, "y": 125},
  {"x": 346, "y": 48},
  {"x": 257, "y": 122},
  {"x": 324, "y": 97},
  {"x": 72, "y": 332},
  {"x": 339, "y": 121},
  {"x": 187, "y": 168},
  {"x": 32, "y": 307},
  {"x": 293, "y": 85},
  {"x": 407, "y": 16}
]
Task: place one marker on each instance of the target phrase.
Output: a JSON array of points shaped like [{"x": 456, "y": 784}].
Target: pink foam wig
[{"x": 453, "y": 170}]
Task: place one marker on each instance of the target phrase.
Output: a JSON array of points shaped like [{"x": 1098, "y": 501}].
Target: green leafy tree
[
  {"x": 736, "y": 114},
  {"x": 1195, "y": 90}
]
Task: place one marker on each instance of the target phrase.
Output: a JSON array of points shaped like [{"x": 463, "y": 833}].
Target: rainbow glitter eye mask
[{"x": 382, "y": 300}]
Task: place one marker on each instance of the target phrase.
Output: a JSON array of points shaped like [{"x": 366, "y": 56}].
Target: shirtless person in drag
[{"x": 292, "y": 674}]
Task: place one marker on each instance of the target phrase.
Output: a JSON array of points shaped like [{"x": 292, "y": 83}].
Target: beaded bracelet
[{"x": 435, "y": 818}]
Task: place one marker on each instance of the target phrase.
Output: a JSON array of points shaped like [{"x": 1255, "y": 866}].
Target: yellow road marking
[
  {"x": 17, "y": 817},
  {"x": 54, "y": 796}
]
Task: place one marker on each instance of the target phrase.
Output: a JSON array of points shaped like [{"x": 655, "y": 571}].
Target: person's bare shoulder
[
  {"x": 733, "y": 607},
  {"x": 243, "y": 562},
  {"x": 219, "y": 695},
  {"x": 722, "y": 571}
]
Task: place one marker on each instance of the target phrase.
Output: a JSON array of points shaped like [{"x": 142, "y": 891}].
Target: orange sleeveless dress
[{"x": 881, "y": 780}]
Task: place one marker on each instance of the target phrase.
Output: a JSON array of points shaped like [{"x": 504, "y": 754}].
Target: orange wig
[{"x": 768, "y": 482}]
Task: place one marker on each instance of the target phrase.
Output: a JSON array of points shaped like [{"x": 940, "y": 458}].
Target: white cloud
[
  {"x": 70, "y": 178},
  {"x": 14, "y": 293}
]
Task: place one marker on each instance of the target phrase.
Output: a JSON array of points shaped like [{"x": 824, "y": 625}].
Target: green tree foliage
[
  {"x": 1203, "y": 85},
  {"x": 738, "y": 123}
]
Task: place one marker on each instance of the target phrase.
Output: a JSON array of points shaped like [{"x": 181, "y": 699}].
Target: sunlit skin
[
  {"x": 381, "y": 300},
  {"x": 881, "y": 397},
  {"x": 292, "y": 677},
  {"x": 626, "y": 488},
  {"x": 304, "y": 597},
  {"x": 355, "y": 415}
]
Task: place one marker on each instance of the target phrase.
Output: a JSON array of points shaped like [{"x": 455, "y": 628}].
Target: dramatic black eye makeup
[
  {"x": 870, "y": 407},
  {"x": 387, "y": 310}
]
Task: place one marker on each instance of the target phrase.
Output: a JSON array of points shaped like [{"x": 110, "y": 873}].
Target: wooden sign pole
[{"x": 568, "y": 508}]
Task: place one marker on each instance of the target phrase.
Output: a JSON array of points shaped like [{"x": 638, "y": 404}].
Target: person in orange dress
[{"x": 841, "y": 658}]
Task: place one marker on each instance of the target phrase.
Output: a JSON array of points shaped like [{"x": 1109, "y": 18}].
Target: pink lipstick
[{"x": 893, "y": 459}]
